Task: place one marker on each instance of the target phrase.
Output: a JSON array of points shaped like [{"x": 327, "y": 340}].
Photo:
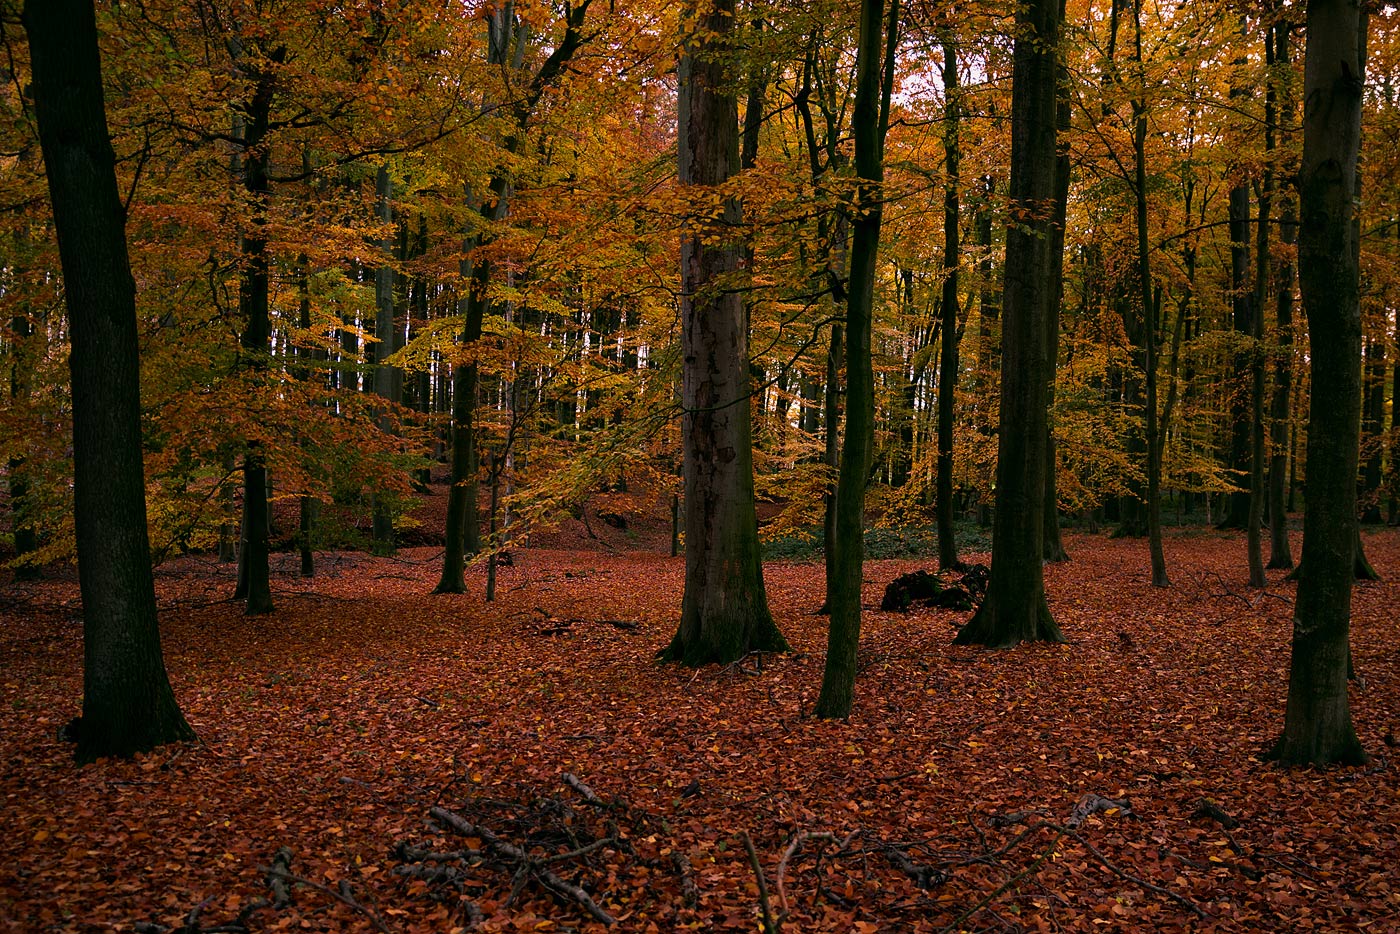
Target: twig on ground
[
  {"x": 770, "y": 924},
  {"x": 523, "y": 861},
  {"x": 340, "y": 896}
]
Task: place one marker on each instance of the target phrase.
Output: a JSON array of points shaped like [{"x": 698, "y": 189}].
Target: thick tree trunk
[
  {"x": 1015, "y": 610},
  {"x": 128, "y": 706},
  {"x": 724, "y": 610},
  {"x": 948, "y": 356},
  {"x": 1317, "y": 724}
]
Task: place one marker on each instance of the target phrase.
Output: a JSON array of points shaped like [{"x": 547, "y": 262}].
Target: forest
[{"x": 854, "y": 465}]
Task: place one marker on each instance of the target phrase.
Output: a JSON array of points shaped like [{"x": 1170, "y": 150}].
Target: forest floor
[{"x": 955, "y": 797}]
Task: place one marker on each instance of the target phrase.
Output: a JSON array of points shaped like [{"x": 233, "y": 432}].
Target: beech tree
[
  {"x": 844, "y": 568},
  {"x": 724, "y": 609},
  {"x": 128, "y": 705},
  {"x": 1015, "y": 610},
  {"x": 1317, "y": 727}
]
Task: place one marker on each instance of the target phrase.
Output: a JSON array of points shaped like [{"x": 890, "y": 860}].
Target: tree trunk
[
  {"x": 1317, "y": 724},
  {"x": 1052, "y": 546},
  {"x": 254, "y": 585},
  {"x": 1280, "y": 552},
  {"x": 308, "y": 505},
  {"x": 1149, "y": 306},
  {"x": 948, "y": 356},
  {"x": 831, "y": 450},
  {"x": 1015, "y": 610},
  {"x": 385, "y": 381},
  {"x": 128, "y": 706},
  {"x": 22, "y": 358},
  {"x": 724, "y": 610},
  {"x": 843, "y": 585}
]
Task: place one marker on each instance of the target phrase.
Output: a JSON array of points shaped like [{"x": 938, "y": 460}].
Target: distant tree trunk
[
  {"x": 1241, "y": 300},
  {"x": 843, "y": 587},
  {"x": 1149, "y": 305},
  {"x": 1052, "y": 546},
  {"x": 463, "y": 531},
  {"x": 724, "y": 610},
  {"x": 1258, "y": 492},
  {"x": 1280, "y": 552},
  {"x": 385, "y": 381},
  {"x": 1015, "y": 610},
  {"x": 21, "y": 509},
  {"x": 128, "y": 706},
  {"x": 831, "y": 448},
  {"x": 309, "y": 505},
  {"x": 1317, "y": 724},
  {"x": 948, "y": 356},
  {"x": 462, "y": 527},
  {"x": 1393, "y": 510},
  {"x": 1243, "y": 313},
  {"x": 1373, "y": 429},
  {"x": 254, "y": 585}
]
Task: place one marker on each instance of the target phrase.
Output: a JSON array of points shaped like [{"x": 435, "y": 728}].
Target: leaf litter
[{"x": 376, "y": 758}]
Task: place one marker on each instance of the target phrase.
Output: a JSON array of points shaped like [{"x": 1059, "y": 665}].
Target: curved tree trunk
[
  {"x": 843, "y": 584},
  {"x": 1015, "y": 610},
  {"x": 128, "y": 706},
  {"x": 1317, "y": 726}
]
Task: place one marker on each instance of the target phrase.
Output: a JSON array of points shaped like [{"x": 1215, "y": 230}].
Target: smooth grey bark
[
  {"x": 128, "y": 706},
  {"x": 724, "y": 609},
  {"x": 1317, "y": 727},
  {"x": 1015, "y": 609}
]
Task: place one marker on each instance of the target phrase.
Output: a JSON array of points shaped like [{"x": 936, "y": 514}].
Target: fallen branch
[
  {"x": 988, "y": 899},
  {"x": 584, "y": 791},
  {"x": 276, "y": 878},
  {"x": 690, "y": 894},
  {"x": 526, "y": 865},
  {"x": 343, "y": 896},
  {"x": 1093, "y": 804},
  {"x": 825, "y": 836},
  {"x": 1181, "y": 900}
]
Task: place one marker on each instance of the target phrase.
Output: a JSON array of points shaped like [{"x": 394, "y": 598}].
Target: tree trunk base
[{"x": 1024, "y": 621}]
